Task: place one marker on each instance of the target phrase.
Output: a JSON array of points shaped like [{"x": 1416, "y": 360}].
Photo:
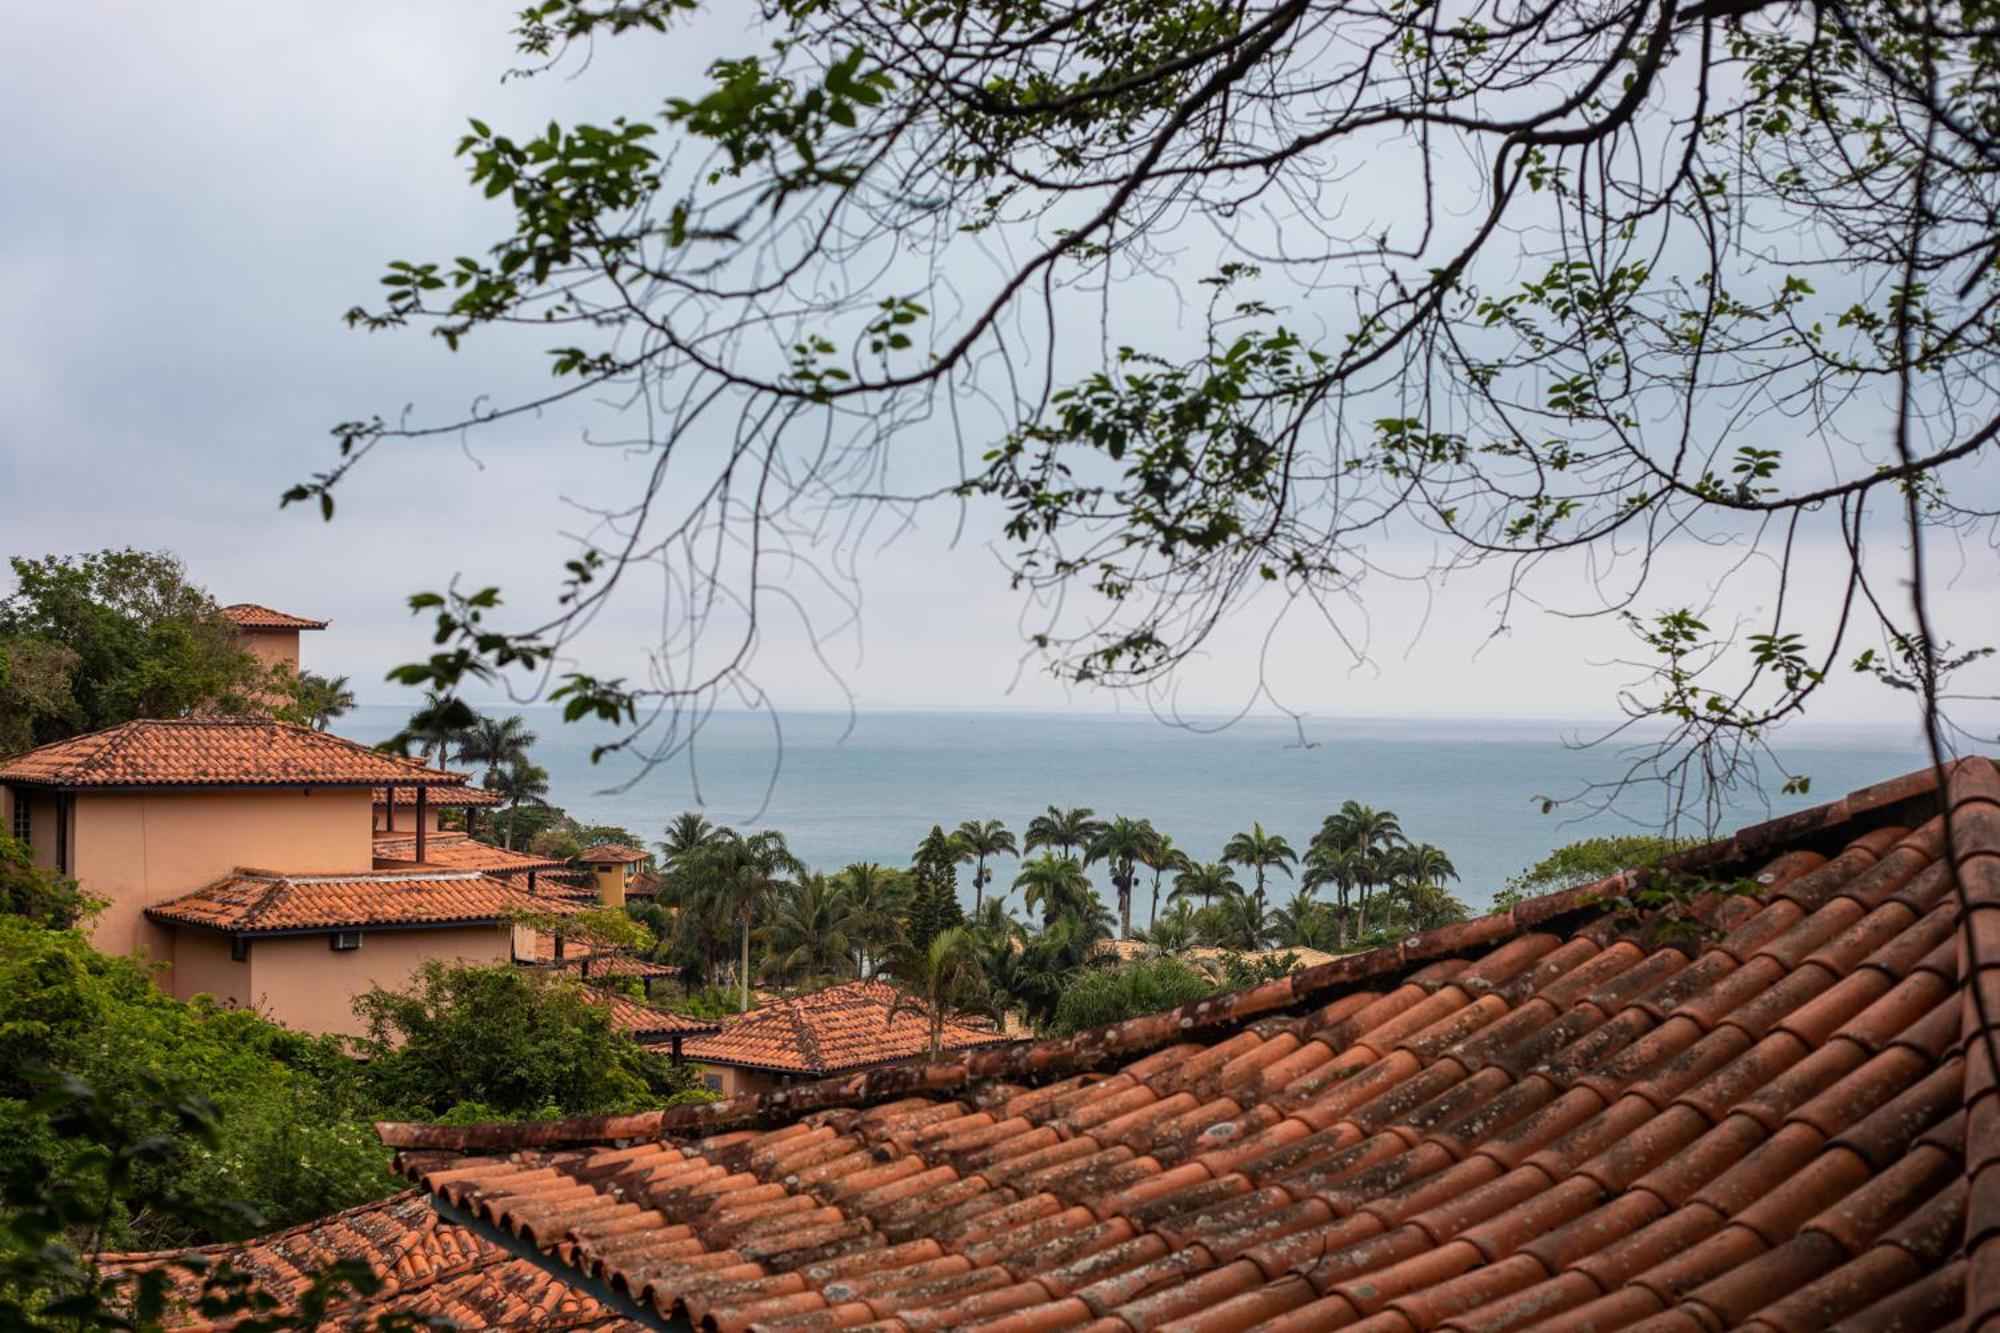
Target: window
[
  {"x": 239, "y": 948},
  {"x": 23, "y": 825},
  {"x": 346, "y": 941},
  {"x": 713, "y": 1082}
]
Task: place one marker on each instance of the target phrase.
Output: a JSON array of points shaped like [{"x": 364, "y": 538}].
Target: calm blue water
[{"x": 1467, "y": 786}]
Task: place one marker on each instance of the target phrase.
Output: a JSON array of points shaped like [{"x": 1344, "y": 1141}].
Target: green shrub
[{"x": 1096, "y": 997}]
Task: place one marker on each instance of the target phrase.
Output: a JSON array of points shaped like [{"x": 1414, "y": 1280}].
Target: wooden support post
[
  {"x": 423, "y": 818},
  {"x": 389, "y": 811}
]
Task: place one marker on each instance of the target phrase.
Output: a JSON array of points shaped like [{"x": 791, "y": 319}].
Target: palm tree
[
  {"x": 520, "y": 783},
  {"x": 440, "y": 724},
  {"x": 749, "y": 873},
  {"x": 811, "y": 932},
  {"x": 1068, "y": 831},
  {"x": 1305, "y": 923},
  {"x": 977, "y": 840},
  {"x": 1122, "y": 844},
  {"x": 1342, "y": 867},
  {"x": 687, "y": 833},
  {"x": 1238, "y": 922},
  {"x": 875, "y": 895},
  {"x": 495, "y": 743},
  {"x": 1206, "y": 882},
  {"x": 318, "y": 700},
  {"x": 1057, "y": 885},
  {"x": 1179, "y": 929},
  {"x": 1372, "y": 834},
  {"x": 1160, "y": 858},
  {"x": 942, "y": 976},
  {"x": 1259, "y": 851}
]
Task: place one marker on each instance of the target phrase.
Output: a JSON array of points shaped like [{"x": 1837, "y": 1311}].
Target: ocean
[{"x": 870, "y": 788}]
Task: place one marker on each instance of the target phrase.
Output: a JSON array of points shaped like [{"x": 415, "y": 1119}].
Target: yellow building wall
[
  {"x": 136, "y": 849},
  {"x": 302, "y": 982}
]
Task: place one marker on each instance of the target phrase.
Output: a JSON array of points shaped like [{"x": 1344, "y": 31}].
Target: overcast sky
[{"x": 195, "y": 193}]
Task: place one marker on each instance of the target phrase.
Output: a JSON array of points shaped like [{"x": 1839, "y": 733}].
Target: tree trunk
[
  {"x": 1124, "y": 883},
  {"x": 745, "y": 976},
  {"x": 979, "y": 887},
  {"x": 1153, "y": 913}
]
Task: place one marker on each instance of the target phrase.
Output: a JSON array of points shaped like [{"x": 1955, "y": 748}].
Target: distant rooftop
[
  {"x": 254, "y": 618},
  {"x": 263, "y": 901},
  {"x": 613, "y": 853},
  {"x": 216, "y": 752},
  {"x": 456, "y": 797},
  {"x": 456, "y": 851},
  {"x": 647, "y": 1023},
  {"x": 839, "y": 1028}
]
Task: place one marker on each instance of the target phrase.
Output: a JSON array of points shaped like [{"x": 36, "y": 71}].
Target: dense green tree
[
  {"x": 504, "y": 1042},
  {"x": 689, "y": 832},
  {"x": 1238, "y": 921},
  {"x": 98, "y": 639},
  {"x": 1098, "y": 996},
  {"x": 932, "y": 906},
  {"x": 28, "y": 890},
  {"x": 979, "y": 839},
  {"x": 738, "y": 879},
  {"x": 879, "y": 898},
  {"x": 1179, "y": 928}
]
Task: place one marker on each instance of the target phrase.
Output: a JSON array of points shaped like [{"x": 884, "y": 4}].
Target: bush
[
  {"x": 513, "y": 1043},
  {"x": 299, "y": 1144},
  {"x": 41, "y": 895},
  {"x": 1095, "y": 998},
  {"x": 1586, "y": 862}
]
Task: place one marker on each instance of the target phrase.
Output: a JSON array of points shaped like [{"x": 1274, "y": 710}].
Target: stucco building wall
[
  {"x": 273, "y": 647},
  {"x": 731, "y": 1081},
  {"x": 135, "y": 849},
  {"x": 202, "y": 965},
  {"x": 306, "y": 984}
]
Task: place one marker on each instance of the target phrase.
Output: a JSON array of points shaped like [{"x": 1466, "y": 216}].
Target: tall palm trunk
[
  {"x": 1124, "y": 883},
  {"x": 744, "y": 975},
  {"x": 1153, "y": 912},
  {"x": 979, "y": 885},
  {"x": 513, "y": 810}
]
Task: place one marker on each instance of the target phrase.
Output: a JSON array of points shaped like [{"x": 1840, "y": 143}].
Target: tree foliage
[
  {"x": 93, "y": 640},
  {"x": 1585, "y": 862},
  {"x": 1572, "y": 291}
]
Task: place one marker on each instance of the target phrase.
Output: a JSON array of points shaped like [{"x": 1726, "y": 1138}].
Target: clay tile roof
[
  {"x": 406, "y": 797},
  {"x": 456, "y": 851},
  {"x": 1771, "y": 1110},
  {"x": 261, "y": 901},
  {"x": 612, "y": 853},
  {"x": 606, "y": 966},
  {"x": 1206, "y": 957},
  {"x": 827, "y": 1031},
  {"x": 215, "y": 752},
  {"x": 429, "y": 1269},
  {"x": 646, "y": 1022},
  {"x": 252, "y": 617}
]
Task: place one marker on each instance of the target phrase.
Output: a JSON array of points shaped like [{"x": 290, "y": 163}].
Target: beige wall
[
  {"x": 136, "y": 849},
  {"x": 41, "y": 817},
  {"x": 302, "y": 982},
  {"x": 406, "y": 818},
  {"x": 735, "y": 1082},
  {"x": 273, "y": 647}
]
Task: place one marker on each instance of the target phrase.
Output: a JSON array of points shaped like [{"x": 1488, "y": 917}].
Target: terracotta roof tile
[
  {"x": 615, "y": 966},
  {"x": 613, "y": 853},
  {"x": 828, "y": 1031},
  {"x": 1546, "y": 1119},
  {"x": 455, "y": 797},
  {"x": 429, "y": 1268},
  {"x": 215, "y": 752},
  {"x": 456, "y": 851},
  {"x": 649, "y": 1023},
  {"x": 254, "y": 901},
  {"x": 250, "y": 616}
]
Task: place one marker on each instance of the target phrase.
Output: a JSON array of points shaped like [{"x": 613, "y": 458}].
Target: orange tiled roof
[
  {"x": 215, "y": 752},
  {"x": 429, "y": 1269},
  {"x": 645, "y": 884},
  {"x": 455, "y": 797},
  {"x": 612, "y": 853},
  {"x": 1782, "y": 1117},
  {"x": 826, "y": 1031},
  {"x": 456, "y": 851},
  {"x": 254, "y": 901},
  {"x": 250, "y": 616},
  {"x": 594, "y": 966},
  {"x": 646, "y": 1022}
]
